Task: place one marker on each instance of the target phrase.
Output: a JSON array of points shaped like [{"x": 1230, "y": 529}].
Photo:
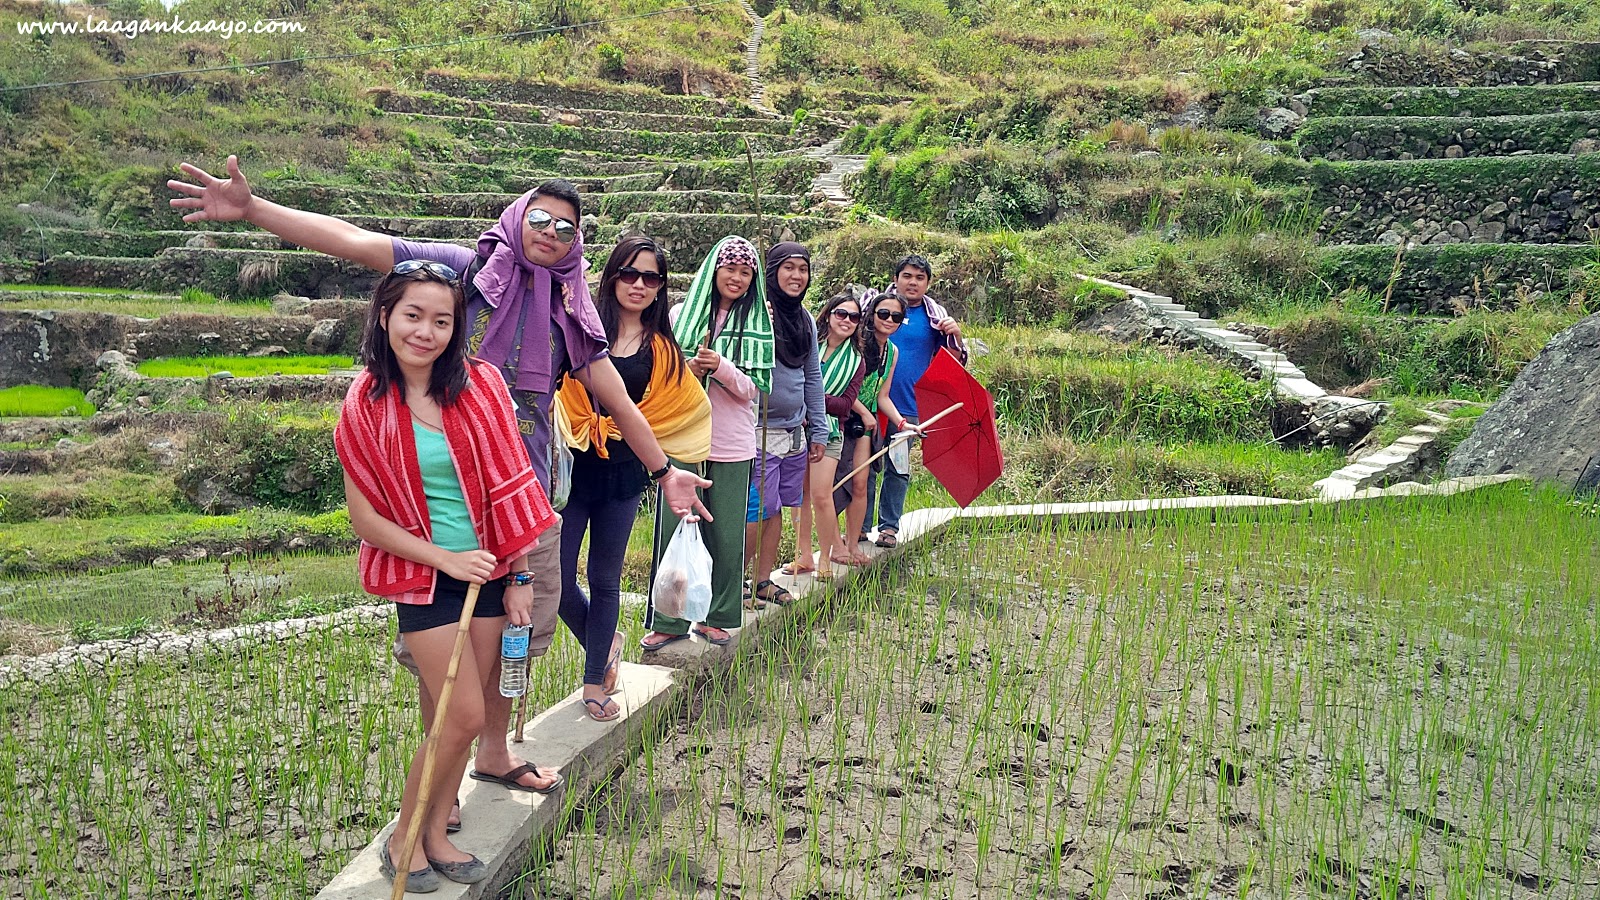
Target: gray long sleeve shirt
[{"x": 797, "y": 396}]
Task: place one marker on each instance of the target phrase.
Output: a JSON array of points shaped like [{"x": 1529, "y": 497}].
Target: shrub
[{"x": 266, "y": 456}]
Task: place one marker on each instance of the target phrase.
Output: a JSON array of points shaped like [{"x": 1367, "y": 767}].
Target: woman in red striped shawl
[{"x": 442, "y": 495}]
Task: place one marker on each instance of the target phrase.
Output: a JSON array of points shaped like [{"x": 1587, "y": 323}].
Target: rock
[
  {"x": 271, "y": 350},
  {"x": 161, "y": 562},
  {"x": 1336, "y": 421},
  {"x": 201, "y": 241},
  {"x": 112, "y": 359},
  {"x": 1493, "y": 211},
  {"x": 1147, "y": 154},
  {"x": 68, "y": 445},
  {"x": 1585, "y": 145},
  {"x": 500, "y": 131},
  {"x": 326, "y": 337},
  {"x": 222, "y": 375},
  {"x": 211, "y": 497},
  {"x": 572, "y": 120},
  {"x": 1458, "y": 230},
  {"x": 1547, "y": 424},
  {"x": 1357, "y": 150},
  {"x": 1488, "y": 233},
  {"x": 1391, "y": 238},
  {"x": 1454, "y": 151},
  {"x": 1278, "y": 122},
  {"x": 1561, "y": 200},
  {"x": 163, "y": 451},
  {"x": 1374, "y": 37}
]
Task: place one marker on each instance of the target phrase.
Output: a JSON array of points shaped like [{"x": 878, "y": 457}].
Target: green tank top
[
  {"x": 870, "y": 384},
  {"x": 447, "y": 509}
]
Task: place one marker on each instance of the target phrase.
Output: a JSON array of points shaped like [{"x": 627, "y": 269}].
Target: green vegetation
[
  {"x": 33, "y": 400},
  {"x": 57, "y": 545},
  {"x": 257, "y": 770},
  {"x": 1517, "y": 100},
  {"x": 241, "y": 366},
  {"x": 1209, "y": 702},
  {"x": 88, "y": 493}
]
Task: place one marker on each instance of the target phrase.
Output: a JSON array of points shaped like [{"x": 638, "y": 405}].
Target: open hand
[
  {"x": 677, "y": 490},
  {"x": 213, "y": 199}
]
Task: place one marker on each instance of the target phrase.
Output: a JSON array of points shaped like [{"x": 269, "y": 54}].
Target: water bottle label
[{"x": 514, "y": 644}]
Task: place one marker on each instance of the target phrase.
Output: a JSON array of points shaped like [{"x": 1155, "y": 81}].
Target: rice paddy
[
  {"x": 241, "y": 366},
  {"x": 1380, "y": 700},
  {"x": 34, "y": 400}
]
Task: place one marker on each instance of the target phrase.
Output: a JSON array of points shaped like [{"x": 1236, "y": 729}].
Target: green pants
[{"x": 726, "y": 499}]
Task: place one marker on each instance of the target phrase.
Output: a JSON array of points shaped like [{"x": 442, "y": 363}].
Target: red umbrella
[{"x": 962, "y": 449}]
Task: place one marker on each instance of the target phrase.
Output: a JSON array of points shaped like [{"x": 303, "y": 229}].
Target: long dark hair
[
  {"x": 449, "y": 375},
  {"x": 867, "y": 334},
  {"x": 834, "y": 302},
  {"x": 654, "y": 319}
]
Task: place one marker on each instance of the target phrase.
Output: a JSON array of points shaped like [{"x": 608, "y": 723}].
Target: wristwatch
[
  {"x": 519, "y": 579},
  {"x": 657, "y": 475}
]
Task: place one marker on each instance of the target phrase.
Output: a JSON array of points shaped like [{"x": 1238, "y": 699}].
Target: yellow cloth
[{"x": 677, "y": 408}]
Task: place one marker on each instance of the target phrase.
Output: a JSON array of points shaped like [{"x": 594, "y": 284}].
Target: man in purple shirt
[{"x": 530, "y": 285}]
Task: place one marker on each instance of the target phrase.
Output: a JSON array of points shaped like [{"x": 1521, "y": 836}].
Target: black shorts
[{"x": 449, "y": 595}]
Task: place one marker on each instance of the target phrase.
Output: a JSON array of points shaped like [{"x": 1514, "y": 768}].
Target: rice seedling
[
  {"x": 35, "y": 400},
  {"x": 241, "y": 366},
  {"x": 1379, "y": 700}
]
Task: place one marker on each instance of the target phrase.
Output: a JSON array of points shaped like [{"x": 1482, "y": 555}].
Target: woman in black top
[{"x": 606, "y": 489}]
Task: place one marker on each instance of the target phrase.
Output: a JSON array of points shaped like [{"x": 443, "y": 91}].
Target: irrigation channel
[{"x": 1388, "y": 699}]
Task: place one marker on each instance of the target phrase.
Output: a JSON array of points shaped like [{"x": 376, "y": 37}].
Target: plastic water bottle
[{"x": 514, "y": 660}]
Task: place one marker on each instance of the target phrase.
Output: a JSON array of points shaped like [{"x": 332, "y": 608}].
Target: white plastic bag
[
  {"x": 560, "y": 473},
  {"x": 682, "y": 588},
  {"x": 900, "y": 452}
]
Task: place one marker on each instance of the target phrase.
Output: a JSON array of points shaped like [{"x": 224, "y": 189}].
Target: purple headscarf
[{"x": 502, "y": 281}]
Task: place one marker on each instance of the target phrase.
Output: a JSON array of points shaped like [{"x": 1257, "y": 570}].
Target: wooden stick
[
  {"x": 522, "y": 717},
  {"x": 414, "y": 830},
  {"x": 897, "y": 440}
]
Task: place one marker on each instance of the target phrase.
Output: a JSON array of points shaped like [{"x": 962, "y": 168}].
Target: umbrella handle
[
  {"x": 931, "y": 419},
  {"x": 414, "y": 830}
]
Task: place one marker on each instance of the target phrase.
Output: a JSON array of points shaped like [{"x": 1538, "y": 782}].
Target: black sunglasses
[
  {"x": 630, "y": 275},
  {"x": 436, "y": 269},
  {"x": 889, "y": 315},
  {"x": 539, "y": 220},
  {"x": 846, "y": 314}
]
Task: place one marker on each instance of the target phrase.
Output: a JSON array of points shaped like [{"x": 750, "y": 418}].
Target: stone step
[
  {"x": 1415, "y": 440},
  {"x": 592, "y": 95},
  {"x": 576, "y": 117},
  {"x": 666, "y": 144},
  {"x": 1508, "y": 100},
  {"x": 1449, "y": 137}
]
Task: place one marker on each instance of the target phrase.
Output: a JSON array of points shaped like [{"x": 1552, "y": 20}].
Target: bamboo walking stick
[
  {"x": 414, "y": 830},
  {"x": 897, "y": 440}
]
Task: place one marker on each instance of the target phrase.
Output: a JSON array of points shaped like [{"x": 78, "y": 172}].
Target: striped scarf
[
  {"x": 748, "y": 344},
  {"x": 676, "y": 407},
  {"x": 838, "y": 368},
  {"x": 378, "y": 449}
]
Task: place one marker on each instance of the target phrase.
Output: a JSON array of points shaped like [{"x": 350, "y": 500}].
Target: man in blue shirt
[{"x": 927, "y": 327}]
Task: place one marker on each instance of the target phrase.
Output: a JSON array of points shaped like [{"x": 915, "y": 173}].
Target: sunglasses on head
[
  {"x": 630, "y": 275},
  {"x": 889, "y": 315},
  {"x": 846, "y": 314},
  {"x": 436, "y": 269},
  {"x": 565, "y": 231}
]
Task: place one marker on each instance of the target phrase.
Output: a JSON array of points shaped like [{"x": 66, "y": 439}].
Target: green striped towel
[{"x": 748, "y": 344}]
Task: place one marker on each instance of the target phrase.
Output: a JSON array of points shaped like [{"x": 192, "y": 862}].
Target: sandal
[
  {"x": 797, "y": 568},
  {"x": 509, "y": 779},
  {"x": 613, "y": 667},
  {"x": 597, "y": 709},
  {"x": 751, "y": 601},
  {"x": 772, "y": 592},
  {"x": 454, "y": 828},
  {"x": 887, "y": 539},
  {"x": 671, "y": 639},
  {"x": 706, "y": 635}
]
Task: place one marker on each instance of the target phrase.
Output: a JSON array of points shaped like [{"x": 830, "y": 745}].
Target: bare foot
[{"x": 860, "y": 559}]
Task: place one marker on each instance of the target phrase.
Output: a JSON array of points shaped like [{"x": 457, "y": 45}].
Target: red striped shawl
[{"x": 505, "y": 502}]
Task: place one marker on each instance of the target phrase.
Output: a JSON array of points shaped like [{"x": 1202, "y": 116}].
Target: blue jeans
[
  {"x": 593, "y": 619},
  {"x": 892, "y": 500}
]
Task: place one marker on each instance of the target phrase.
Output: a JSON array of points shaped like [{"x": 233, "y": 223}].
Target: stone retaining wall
[
  {"x": 1448, "y": 137},
  {"x": 600, "y": 96},
  {"x": 1528, "y": 199},
  {"x": 1527, "y": 62},
  {"x": 1432, "y": 276}
]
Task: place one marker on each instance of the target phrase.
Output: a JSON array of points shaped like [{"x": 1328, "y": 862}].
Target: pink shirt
[{"x": 733, "y": 407}]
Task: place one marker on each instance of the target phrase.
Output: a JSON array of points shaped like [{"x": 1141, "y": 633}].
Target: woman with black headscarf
[{"x": 792, "y": 416}]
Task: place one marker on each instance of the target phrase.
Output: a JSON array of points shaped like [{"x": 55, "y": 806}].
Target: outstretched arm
[{"x": 230, "y": 200}]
